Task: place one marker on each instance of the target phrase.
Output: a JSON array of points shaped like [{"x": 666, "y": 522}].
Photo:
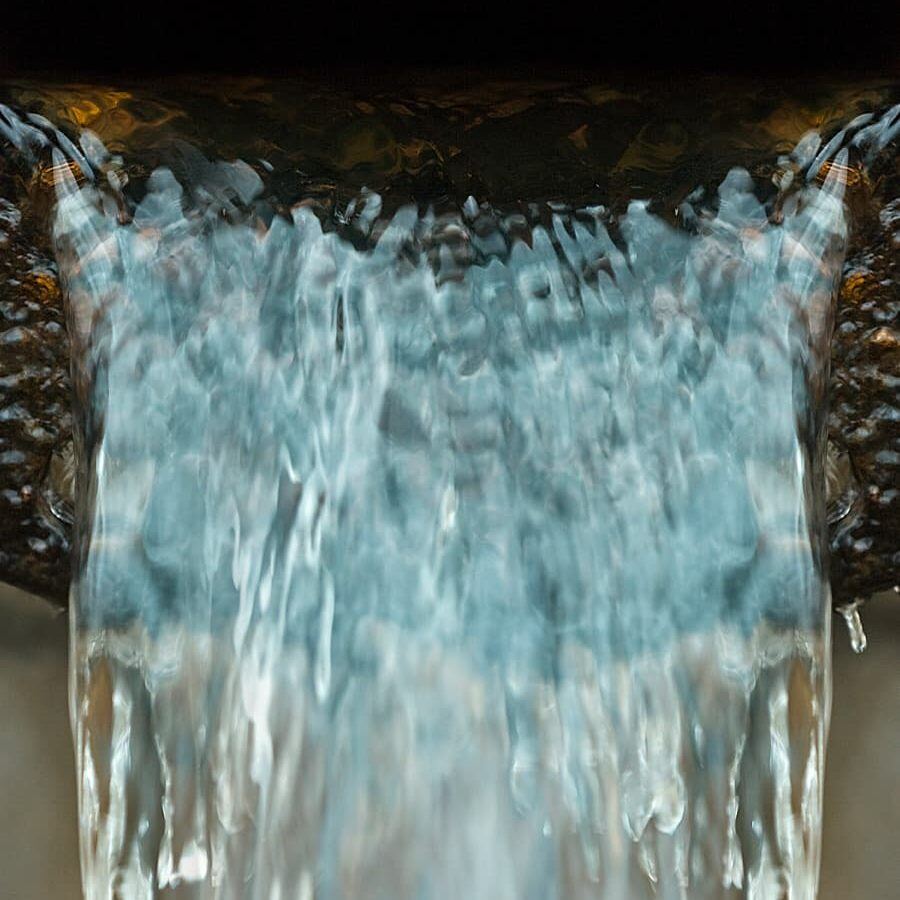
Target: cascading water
[{"x": 474, "y": 556}]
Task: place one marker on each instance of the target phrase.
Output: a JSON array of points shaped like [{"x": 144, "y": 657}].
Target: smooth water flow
[{"x": 460, "y": 556}]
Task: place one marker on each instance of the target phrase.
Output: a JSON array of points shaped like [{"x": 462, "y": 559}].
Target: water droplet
[{"x": 850, "y": 612}]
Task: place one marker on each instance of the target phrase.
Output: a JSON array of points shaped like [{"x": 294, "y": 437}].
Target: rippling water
[{"x": 471, "y": 552}]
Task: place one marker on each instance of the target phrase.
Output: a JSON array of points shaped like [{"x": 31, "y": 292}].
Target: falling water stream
[{"x": 465, "y": 553}]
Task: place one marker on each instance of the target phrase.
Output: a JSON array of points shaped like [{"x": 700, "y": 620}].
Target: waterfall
[{"x": 472, "y": 553}]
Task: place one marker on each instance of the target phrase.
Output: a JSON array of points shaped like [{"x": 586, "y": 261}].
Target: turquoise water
[{"x": 474, "y": 553}]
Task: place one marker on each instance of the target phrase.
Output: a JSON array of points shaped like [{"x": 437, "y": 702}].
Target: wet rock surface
[
  {"x": 864, "y": 417},
  {"x": 35, "y": 418}
]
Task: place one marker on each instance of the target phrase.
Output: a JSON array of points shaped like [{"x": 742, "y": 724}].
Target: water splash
[{"x": 476, "y": 557}]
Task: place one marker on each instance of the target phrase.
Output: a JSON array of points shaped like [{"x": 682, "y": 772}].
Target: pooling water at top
[{"x": 473, "y": 556}]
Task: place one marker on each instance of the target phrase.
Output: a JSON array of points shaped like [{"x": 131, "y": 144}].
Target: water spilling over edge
[{"x": 504, "y": 573}]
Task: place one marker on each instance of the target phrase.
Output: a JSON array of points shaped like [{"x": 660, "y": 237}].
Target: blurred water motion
[
  {"x": 861, "y": 781},
  {"x": 464, "y": 549},
  {"x": 436, "y": 139}
]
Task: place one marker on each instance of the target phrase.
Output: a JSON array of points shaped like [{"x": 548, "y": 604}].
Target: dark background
[{"x": 259, "y": 37}]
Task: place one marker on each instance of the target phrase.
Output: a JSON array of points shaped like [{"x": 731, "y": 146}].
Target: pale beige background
[{"x": 38, "y": 845}]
